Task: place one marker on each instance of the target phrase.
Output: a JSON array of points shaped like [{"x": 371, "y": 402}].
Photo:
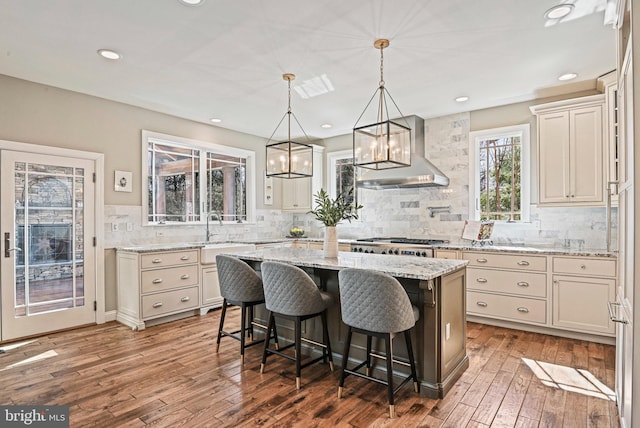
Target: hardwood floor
[{"x": 170, "y": 375}]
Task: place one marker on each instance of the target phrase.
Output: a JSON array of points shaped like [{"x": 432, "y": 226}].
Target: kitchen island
[{"x": 435, "y": 286}]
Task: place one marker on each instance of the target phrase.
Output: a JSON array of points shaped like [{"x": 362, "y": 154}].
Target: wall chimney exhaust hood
[{"x": 421, "y": 173}]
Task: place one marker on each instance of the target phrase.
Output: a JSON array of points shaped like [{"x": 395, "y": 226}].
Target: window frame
[
  {"x": 332, "y": 161},
  {"x": 524, "y": 132},
  {"x": 204, "y": 148}
]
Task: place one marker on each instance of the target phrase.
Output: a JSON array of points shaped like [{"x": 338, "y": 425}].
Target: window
[
  {"x": 187, "y": 180},
  {"x": 342, "y": 176},
  {"x": 499, "y": 174}
]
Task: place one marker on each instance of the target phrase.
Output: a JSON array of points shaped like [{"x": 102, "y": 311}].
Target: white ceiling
[{"x": 226, "y": 58}]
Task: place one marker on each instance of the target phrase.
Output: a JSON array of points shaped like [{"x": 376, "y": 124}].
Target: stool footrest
[{"x": 374, "y": 379}]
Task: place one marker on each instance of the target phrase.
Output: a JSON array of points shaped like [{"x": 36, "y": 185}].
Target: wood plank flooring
[{"x": 170, "y": 376}]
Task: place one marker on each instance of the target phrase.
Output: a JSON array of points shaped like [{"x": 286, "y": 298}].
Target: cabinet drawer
[
  {"x": 155, "y": 260},
  {"x": 163, "y": 279},
  {"x": 506, "y": 261},
  {"x": 512, "y": 282},
  {"x": 171, "y": 301},
  {"x": 582, "y": 266},
  {"x": 506, "y": 307},
  {"x": 446, "y": 254}
]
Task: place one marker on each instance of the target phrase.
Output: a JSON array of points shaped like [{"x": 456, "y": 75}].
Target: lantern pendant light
[
  {"x": 289, "y": 159},
  {"x": 386, "y": 143}
]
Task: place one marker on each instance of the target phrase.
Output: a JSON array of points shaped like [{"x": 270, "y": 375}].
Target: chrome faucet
[{"x": 218, "y": 215}]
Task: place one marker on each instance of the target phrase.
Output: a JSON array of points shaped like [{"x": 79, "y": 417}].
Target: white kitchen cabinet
[
  {"x": 155, "y": 285},
  {"x": 571, "y": 152},
  {"x": 297, "y": 193},
  {"x": 508, "y": 287},
  {"x": 582, "y": 287}
]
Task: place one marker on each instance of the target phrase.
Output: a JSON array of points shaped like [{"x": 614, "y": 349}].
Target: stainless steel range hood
[{"x": 421, "y": 173}]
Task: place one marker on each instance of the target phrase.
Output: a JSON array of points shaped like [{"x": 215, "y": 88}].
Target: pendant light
[
  {"x": 289, "y": 159},
  {"x": 386, "y": 143}
]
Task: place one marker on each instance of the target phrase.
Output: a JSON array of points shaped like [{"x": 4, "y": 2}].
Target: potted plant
[{"x": 330, "y": 212}]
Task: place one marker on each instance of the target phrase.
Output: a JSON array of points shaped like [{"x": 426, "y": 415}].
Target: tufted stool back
[
  {"x": 238, "y": 281},
  {"x": 375, "y": 301},
  {"x": 289, "y": 290}
]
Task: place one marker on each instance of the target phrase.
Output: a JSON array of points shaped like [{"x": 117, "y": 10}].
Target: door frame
[{"x": 98, "y": 160}]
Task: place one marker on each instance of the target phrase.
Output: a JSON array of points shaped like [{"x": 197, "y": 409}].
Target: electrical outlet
[
  {"x": 536, "y": 224},
  {"x": 114, "y": 227},
  {"x": 129, "y": 227}
]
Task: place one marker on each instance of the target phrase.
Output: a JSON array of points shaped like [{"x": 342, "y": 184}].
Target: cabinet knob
[
  {"x": 583, "y": 267},
  {"x": 157, "y": 305},
  {"x": 156, "y": 261},
  {"x": 184, "y": 258},
  {"x": 523, "y": 284},
  {"x": 523, "y": 263},
  {"x": 157, "y": 281},
  {"x": 523, "y": 310},
  {"x": 185, "y": 276},
  {"x": 482, "y": 304},
  {"x": 185, "y": 299},
  {"x": 482, "y": 280},
  {"x": 481, "y": 260}
]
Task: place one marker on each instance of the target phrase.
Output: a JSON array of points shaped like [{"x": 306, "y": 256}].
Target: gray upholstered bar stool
[
  {"x": 240, "y": 285},
  {"x": 290, "y": 293},
  {"x": 375, "y": 304}
]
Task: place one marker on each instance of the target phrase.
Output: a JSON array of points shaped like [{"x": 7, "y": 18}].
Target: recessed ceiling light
[
  {"x": 326, "y": 125},
  {"x": 559, "y": 11},
  {"x": 191, "y": 2},
  {"x": 215, "y": 120},
  {"x": 462, "y": 99},
  {"x": 568, "y": 76},
  {"x": 109, "y": 54}
]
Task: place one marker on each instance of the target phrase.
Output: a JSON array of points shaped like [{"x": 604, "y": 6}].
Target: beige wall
[{"x": 39, "y": 114}]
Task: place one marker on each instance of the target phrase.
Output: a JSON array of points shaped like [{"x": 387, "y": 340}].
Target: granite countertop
[
  {"x": 517, "y": 249},
  {"x": 400, "y": 267}
]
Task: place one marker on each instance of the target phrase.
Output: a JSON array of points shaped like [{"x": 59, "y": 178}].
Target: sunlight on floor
[
  {"x": 39, "y": 357},
  {"x": 570, "y": 379}
]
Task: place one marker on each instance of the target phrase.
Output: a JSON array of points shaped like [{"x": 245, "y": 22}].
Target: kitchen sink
[{"x": 209, "y": 252}]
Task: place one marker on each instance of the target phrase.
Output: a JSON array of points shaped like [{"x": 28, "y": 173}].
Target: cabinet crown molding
[{"x": 564, "y": 104}]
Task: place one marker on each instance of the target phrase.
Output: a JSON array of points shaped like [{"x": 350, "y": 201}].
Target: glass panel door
[{"x": 47, "y": 250}]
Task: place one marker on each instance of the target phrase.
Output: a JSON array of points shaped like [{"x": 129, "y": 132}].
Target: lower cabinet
[
  {"x": 211, "y": 297},
  {"x": 158, "y": 284},
  {"x": 555, "y": 293}
]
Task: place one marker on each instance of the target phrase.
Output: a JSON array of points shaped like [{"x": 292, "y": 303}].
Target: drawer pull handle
[
  {"x": 583, "y": 267},
  {"x": 482, "y": 304},
  {"x": 157, "y": 281},
  {"x": 184, "y": 258},
  {"x": 523, "y": 284},
  {"x": 523, "y": 310},
  {"x": 185, "y": 276},
  {"x": 185, "y": 299},
  {"x": 482, "y": 280},
  {"x": 481, "y": 260},
  {"x": 156, "y": 261},
  {"x": 523, "y": 263},
  {"x": 157, "y": 305}
]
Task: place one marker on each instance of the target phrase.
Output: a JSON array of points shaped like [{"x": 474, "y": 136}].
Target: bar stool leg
[
  {"x": 367, "y": 371},
  {"x": 345, "y": 360},
  {"x": 270, "y": 326},
  {"x": 298, "y": 342},
  {"x": 243, "y": 333},
  {"x": 222, "y": 315},
  {"x": 251, "y": 322},
  {"x": 407, "y": 338},
  {"x": 387, "y": 346},
  {"x": 327, "y": 342}
]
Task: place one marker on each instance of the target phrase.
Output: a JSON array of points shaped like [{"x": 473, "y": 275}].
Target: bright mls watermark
[{"x": 34, "y": 416}]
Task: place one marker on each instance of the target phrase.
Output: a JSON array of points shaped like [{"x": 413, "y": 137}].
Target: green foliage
[{"x": 330, "y": 212}]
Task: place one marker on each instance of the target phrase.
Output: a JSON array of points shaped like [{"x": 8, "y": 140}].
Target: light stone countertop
[{"x": 400, "y": 267}]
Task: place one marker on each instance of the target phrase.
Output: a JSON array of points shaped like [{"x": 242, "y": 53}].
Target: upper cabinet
[
  {"x": 571, "y": 152},
  {"x": 297, "y": 193}
]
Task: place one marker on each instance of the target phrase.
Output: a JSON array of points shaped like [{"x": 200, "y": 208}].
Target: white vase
[{"x": 330, "y": 245}]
